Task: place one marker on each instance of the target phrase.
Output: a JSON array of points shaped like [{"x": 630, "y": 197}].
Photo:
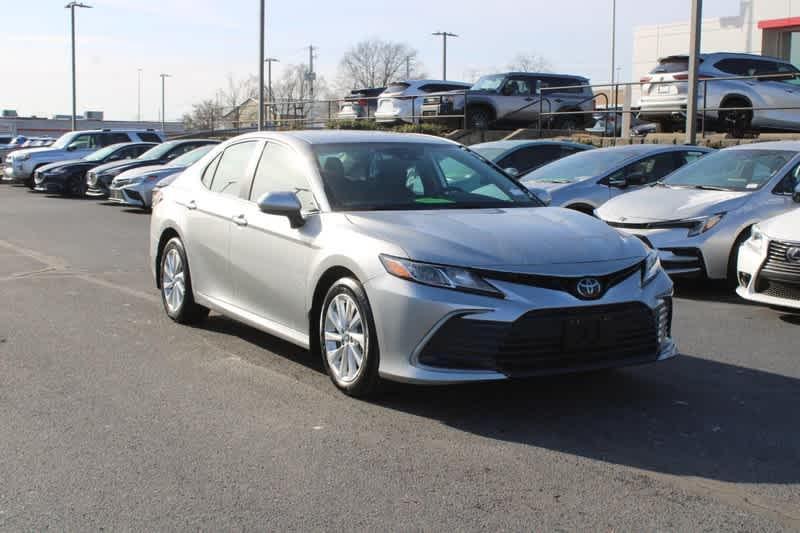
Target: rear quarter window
[
  {"x": 397, "y": 88},
  {"x": 670, "y": 65},
  {"x": 149, "y": 137}
]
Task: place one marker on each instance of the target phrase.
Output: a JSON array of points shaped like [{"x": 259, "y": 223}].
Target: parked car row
[{"x": 414, "y": 258}]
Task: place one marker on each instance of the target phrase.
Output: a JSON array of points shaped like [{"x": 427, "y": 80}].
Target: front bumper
[
  {"x": 766, "y": 277},
  {"x": 137, "y": 195},
  {"x": 17, "y": 172},
  {"x": 704, "y": 255},
  {"x": 412, "y": 347}
]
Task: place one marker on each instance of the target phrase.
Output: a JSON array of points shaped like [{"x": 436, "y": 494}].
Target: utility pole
[
  {"x": 694, "y": 52},
  {"x": 269, "y": 61},
  {"x": 261, "y": 67},
  {"x": 139, "y": 98},
  {"x": 408, "y": 68},
  {"x": 444, "y": 36},
  {"x": 163, "y": 108},
  {"x": 71, "y": 6}
]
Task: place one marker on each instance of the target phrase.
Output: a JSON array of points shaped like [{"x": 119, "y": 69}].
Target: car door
[
  {"x": 270, "y": 260},
  {"x": 211, "y": 206},
  {"x": 531, "y": 157},
  {"x": 518, "y": 102},
  {"x": 642, "y": 172}
]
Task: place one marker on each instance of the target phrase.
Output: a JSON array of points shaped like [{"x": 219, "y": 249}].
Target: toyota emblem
[
  {"x": 793, "y": 254},
  {"x": 589, "y": 288}
]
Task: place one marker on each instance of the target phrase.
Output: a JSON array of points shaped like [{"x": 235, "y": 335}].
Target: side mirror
[
  {"x": 796, "y": 195},
  {"x": 284, "y": 204},
  {"x": 542, "y": 195},
  {"x": 511, "y": 171},
  {"x": 72, "y": 147}
]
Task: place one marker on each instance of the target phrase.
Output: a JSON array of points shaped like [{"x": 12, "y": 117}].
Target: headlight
[
  {"x": 23, "y": 157},
  {"x": 703, "y": 224},
  {"x": 652, "y": 267},
  {"x": 446, "y": 277},
  {"x": 55, "y": 172},
  {"x": 757, "y": 239}
]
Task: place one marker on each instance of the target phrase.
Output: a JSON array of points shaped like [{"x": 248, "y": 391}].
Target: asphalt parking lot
[{"x": 111, "y": 416}]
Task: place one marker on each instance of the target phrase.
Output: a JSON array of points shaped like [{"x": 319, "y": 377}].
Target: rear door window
[
  {"x": 526, "y": 159},
  {"x": 670, "y": 65},
  {"x": 232, "y": 168}
]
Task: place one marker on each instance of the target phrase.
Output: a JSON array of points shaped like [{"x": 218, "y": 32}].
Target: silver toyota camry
[
  {"x": 403, "y": 257},
  {"x": 699, "y": 216}
]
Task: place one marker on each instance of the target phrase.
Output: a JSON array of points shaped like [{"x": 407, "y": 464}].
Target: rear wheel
[
  {"x": 176, "y": 285},
  {"x": 76, "y": 186},
  {"x": 347, "y": 339},
  {"x": 737, "y": 122}
]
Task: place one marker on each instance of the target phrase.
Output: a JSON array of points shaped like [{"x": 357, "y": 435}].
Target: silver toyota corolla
[
  {"x": 403, "y": 257},
  {"x": 699, "y": 216}
]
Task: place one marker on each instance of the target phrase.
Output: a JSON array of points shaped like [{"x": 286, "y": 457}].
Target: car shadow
[
  {"x": 708, "y": 291},
  {"x": 135, "y": 211},
  {"x": 688, "y": 416}
]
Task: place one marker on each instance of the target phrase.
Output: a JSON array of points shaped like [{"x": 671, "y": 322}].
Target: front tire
[
  {"x": 347, "y": 339},
  {"x": 176, "y": 285},
  {"x": 76, "y": 186}
]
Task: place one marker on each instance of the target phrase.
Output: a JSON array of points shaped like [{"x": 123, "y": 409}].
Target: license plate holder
[{"x": 585, "y": 333}]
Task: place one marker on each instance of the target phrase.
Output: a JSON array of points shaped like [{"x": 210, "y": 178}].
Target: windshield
[
  {"x": 64, "y": 140},
  {"x": 492, "y": 154},
  {"x": 577, "y": 166},
  {"x": 102, "y": 153},
  {"x": 157, "y": 152},
  {"x": 406, "y": 176},
  {"x": 731, "y": 170},
  {"x": 190, "y": 157},
  {"x": 489, "y": 83}
]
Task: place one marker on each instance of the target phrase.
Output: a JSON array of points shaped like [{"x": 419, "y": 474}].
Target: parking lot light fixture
[{"x": 71, "y": 6}]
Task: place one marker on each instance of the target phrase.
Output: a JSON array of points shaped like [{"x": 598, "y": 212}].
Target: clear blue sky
[{"x": 200, "y": 42}]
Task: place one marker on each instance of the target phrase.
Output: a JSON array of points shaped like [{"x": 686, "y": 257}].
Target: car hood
[
  {"x": 149, "y": 170},
  {"x": 542, "y": 240},
  {"x": 550, "y": 186},
  {"x": 44, "y": 150},
  {"x": 664, "y": 203},
  {"x": 121, "y": 166},
  {"x": 66, "y": 164},
  {"x": 783, "y": 227}
]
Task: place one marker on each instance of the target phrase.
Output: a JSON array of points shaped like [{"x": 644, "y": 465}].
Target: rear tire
[
  {"x": 347, "y": 339},
  {"x": 176, "y": 285},
  {"x": 737, "y": 123},
  {"x": 76, "y": 187}
]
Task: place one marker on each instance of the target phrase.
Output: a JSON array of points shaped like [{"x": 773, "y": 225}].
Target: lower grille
[
  {"x": 777, "y": 266},
  {"x": 778, "y": 289},
  {"x": 552, "y": 340}
]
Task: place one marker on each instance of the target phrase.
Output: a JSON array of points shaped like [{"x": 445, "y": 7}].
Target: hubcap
[
  {"x": 173, "y": 280},
  {"x": 345, "y": 338}
]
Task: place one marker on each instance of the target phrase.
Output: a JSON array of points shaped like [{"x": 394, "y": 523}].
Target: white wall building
[{"x": 768, "y": 27}]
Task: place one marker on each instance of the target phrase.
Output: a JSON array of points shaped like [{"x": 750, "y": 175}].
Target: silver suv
[
  {"x": 516, "y": 99},
  {"x": 664, "y": 92},
  {"x": 21, "y": 164}
]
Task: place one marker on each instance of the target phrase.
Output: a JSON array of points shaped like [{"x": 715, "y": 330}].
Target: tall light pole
[
  {"x": 613, "y": 39},
  {"x": 269, "y": 61},
  {"x": 139, "y": 98},
  {"x": 71, "y": 6},
  {"x": 444, "y": 35},
  {"x": 163, "y": 108},
  {"x": 261, "y": 67},
  {"x": 694, "y": 52}
]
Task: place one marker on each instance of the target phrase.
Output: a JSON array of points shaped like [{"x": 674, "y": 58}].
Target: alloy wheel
[
  {"x": 345, "y": 338},
  {"x": 173, "y": 280}
]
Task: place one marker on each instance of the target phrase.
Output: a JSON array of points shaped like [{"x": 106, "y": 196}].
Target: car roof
[
  {"x": 542, "y": 74},
  {"x": 516, "y": 143},
  {"x": 421, "y": 82},
  {"x": 643, "y": 149},
  {"x": 770, "y": 145},
  {"x": 712, "y": 56},
  {"x": 313, "y": 137}
]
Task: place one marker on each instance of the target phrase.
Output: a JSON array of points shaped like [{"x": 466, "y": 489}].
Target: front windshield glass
[
  {"x": 731, "y": 170},
  {"x": 102, "y": 153},
  {"x": 577, "y": 166},
  {"x": 64, "y": 140},
  {"x": 413, "y": 176},
  {"x": 157, "y": 152},
  {"x": 190, "y": 157},
  {"x": 489, "y": 83}
]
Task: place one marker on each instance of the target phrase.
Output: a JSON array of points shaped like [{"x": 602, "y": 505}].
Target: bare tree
[
  {"x": 530, "y": 63},
  {"x": 376, "y": 63},
  {"x": 204, "y": 116},
  {"x": 292, "y": 92}
]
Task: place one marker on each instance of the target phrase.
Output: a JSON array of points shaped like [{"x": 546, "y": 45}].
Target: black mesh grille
[
  {"x": 777, "y": 266},
  {"x": 549, "y": 340},
  {"x": 778, "y": 289}
]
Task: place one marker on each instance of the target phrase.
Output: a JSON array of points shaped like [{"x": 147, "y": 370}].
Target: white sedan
[{"x": 769, "y": 261}]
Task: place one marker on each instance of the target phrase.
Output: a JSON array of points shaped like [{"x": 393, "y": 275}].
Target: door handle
[
  {"x": 239, "y": 220},
  {"x": 191, "y": 204},
  {"x": 559, "y": 100}
]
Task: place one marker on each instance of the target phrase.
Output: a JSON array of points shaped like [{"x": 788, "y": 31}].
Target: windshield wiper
[{"x": 710, "y": 188}]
